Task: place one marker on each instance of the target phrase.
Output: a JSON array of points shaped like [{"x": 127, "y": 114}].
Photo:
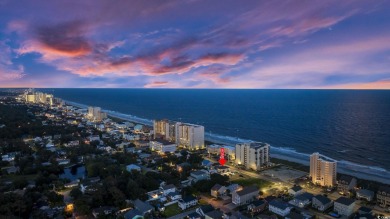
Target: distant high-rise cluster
[
  {"x": 96, "y": 114},
  {"x": 40, "y": 98},
  {"x": 322, "y": 171},
  {"x": 253, "y": 155},
  {"x": 183, "y": 134}
]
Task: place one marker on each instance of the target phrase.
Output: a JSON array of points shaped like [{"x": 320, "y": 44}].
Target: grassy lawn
[
  {"x": 172, "y": 210},
  {"x": 253, "y": 181}
]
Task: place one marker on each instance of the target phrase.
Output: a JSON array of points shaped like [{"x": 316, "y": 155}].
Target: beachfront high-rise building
[
  {"x": 96, "y": 114},
  {"x": 164, "y": 129},
  {"x": 322, "y": 171},
  {"x": 185, "y": 135},
  {"x": 253, "y": 155},
  {"x": 38, "y": 97},
  {"x": 190, "y": 136}
]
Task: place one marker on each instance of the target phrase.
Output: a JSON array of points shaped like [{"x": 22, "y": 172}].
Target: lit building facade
[
  {"x": 96, "y": 114},
  {"x": 185, "y": 135},
  {"x": 190, "y": 136},
  {"x": 165, "y": 129},
  {"x": 253, "y": 155},
  {"x": 230, "y": 151},
  {"x": 162, "y": 146},
  {"x": 322, "y": 172}
]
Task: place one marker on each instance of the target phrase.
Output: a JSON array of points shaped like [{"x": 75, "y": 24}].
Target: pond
[{"x": 73, "y": 173}]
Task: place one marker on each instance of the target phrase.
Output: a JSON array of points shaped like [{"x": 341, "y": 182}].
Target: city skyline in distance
[{"x": 195, "y": 44}]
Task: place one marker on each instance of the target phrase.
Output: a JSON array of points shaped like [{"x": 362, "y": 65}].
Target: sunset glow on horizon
[{"x": 195, "y": 44}]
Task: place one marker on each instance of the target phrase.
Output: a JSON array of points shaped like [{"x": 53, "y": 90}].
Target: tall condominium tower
[
  {"x": 322, "y": 171},
  {"x": 253, "y": 155},
  {"x": 96, "y": 114},
  {"x": 185, "y": 135},
  {"x": 190, "y": 136},
  {"x": 164, "y": 129}
]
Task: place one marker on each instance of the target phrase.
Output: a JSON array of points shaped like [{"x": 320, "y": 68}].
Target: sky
[{"x": 302, "y": 44}]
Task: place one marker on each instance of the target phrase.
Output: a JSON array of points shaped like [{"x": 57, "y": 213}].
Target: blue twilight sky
[{"x": 195, "y": 44}]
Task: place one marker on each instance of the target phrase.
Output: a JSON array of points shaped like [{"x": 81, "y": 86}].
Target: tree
[
  {"x": 55, "y": 199},
  {"x": 20, "y": 183},
  {"x": 75, "y": 193}
]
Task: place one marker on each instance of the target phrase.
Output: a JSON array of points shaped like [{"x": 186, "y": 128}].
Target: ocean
[{"x": 350, "y": 126}]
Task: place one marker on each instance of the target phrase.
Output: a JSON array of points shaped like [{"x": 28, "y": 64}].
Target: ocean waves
[{"x": 361, "y": 171}]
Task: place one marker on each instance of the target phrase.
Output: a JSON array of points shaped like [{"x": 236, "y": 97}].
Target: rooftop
[
  {"x": 216, "y": 187},
  {"x": 322, "y": 199},
  {"x": 198, "y": 173},
  {"x": 304, "y": 196},
  {"x": 248, "y": 190},
  {"x": 365, "y": 192},
  {"x": 188, "y": 198},
  {"x": 279, "y": 204},
  {"x": 296, "y": 188},
  {"x": 345, "y": 201},
  {"x": 170, "y": 186},
  {"x": 216, "y": 214}
]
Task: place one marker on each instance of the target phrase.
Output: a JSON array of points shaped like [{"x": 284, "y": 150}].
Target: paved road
[{"x": 182, "y": 215}]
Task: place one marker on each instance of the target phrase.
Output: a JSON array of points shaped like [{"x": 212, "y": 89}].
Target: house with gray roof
[
  {"x": 302, "y": 200},
  {"x": 280, "y": 207},
  {"x": 295, "y": 190},
  {"x": 143, "y": 207},
  {"x": 217, "y": 190},
  {"x": 321, "y": 203},
  {"x": 365, "y": 194},
  {"x": 344, "y": 206},
  {"x": 245, "y": 196}
]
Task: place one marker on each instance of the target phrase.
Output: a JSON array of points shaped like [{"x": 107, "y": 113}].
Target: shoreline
[{"x": 376, "y": 174}]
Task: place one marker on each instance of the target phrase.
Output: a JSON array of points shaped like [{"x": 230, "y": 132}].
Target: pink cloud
[
  {"x": 157, "y": 84},
  {"x": 380, "y": 85}
]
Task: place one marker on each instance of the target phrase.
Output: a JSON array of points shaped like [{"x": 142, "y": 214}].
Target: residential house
[
  {"x": 105, "y": 210},
  {"x": 202, "y": 210},
  {"x": 131, "y": 167},
  {"x": 232, "y": 188},
  {"x": 302, "y": 200},
  {"x": 223, "y": 170},
  {"x": 257, "y": 206},
  {"x": 321, "y": 203},
  {"x": 187, "y": 202},
  {"x": 72, "y": 184},
  {"x": 166, "y": 189},
  {"x": 383, "y": 197},
  {"x": 364, "y": 210},
  {"x": 245, "y": 195},
  {"x": 218, "y": 190},
  {"x": 133, "y": 214},
  {"x": 279, "y": 207},
  {"x": 345, "y": 184},
  {"x": 365, "y": 194},
  {"x": 207, "y": 164},
  {"x": 344, "y": 206},
  {"x": 199, "y": 175},
  {"x": 174, "y": 196},
  {"x": 216, "y": 214},
  {"x": 143, "y": 207},
  {"x": 295, "y": 190},
  {"x": 194, "y": 215}
]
